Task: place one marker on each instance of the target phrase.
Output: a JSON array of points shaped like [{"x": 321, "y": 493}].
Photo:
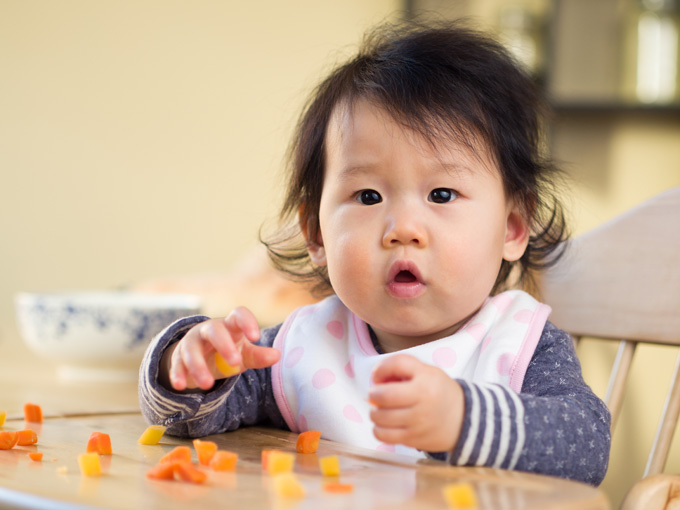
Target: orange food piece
[
  {"x": 338, "y": 488},
  {"x": 100, "y": 443},
  {"x": 460, "y": 496},
  {"x": 177, "y": 454},
  {"x": 308, "y": 442},
  {"x": 265, "y": 458},
  {"x": 89, "y": 464},
  {"x": 33, "y": 413},
  {"x": 330, "y": 465},
  {"x": 8, "y": 439},
  {"x": 162, "y": 471},
  {"x": 186, "y": 471},
  {"x": 224, "y": 367},
  {"x": 280, "y": 462},
  {"x": 286, "y": 485},
  {"x": 204, "y": 450},
  {"x": 224, "y": 461},
  {"x": 152, "y": 434},
  {"x": 36, "y": 456},
  {"x": 26, "y": 437}
]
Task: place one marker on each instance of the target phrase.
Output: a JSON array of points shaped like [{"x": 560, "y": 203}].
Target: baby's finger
[
  {"x": 191, "y": 357},
  {"x": 257, "y": 356},
  {"x": 393, "y": 395},
  {"x": 391, "y": 418},
  {"x": 400, "y": 367},
  {"x": 240, "y": 324}
]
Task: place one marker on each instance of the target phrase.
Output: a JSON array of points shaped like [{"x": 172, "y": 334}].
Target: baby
[{"x": 420, "y": 196}]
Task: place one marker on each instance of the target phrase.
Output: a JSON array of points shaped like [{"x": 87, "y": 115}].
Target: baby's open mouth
[{"x": 405, "y": 277}]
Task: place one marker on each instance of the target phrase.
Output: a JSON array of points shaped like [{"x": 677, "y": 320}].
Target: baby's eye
[
  {"x": 369, "y": 197},
  {"x": 441, "y": 195}
]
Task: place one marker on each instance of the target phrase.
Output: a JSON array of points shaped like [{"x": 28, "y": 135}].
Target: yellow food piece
[
  {"x": 280, "y": 462},
  {"x": 89, "y": 464},
  {"x": 460, "y": 496},
  {"x": 224, "y": 367},
  {"x": 152, "y": 434},
  {"x": 330, "y": 465},
  {"x": 3, "y": 415},
  {"x": 286, "y": 485}
]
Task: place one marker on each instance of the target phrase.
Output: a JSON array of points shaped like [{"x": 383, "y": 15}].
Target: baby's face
[{"x": 413, "y": 238}]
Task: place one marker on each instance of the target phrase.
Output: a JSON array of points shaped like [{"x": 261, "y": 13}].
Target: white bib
[{"x": 327, "y": 355}]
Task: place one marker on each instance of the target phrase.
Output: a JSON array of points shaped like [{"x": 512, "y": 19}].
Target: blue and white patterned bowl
[{"x": 97, "y": 335}]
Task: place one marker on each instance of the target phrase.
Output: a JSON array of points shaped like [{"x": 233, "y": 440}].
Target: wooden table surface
[{"x": 74, "y": 411}]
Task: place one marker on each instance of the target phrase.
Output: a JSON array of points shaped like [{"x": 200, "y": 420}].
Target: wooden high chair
[{"x": 621, "y": 282}]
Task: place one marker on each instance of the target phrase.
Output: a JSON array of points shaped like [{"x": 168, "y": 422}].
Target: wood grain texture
[{"x": 381, "y": 480}]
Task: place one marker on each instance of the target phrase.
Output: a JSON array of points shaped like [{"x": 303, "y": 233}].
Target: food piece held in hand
[{"x": 224, "y": 367}]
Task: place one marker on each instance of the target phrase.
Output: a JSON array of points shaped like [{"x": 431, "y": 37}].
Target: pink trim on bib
[
  {"x": 277, "y": 376},
  {"x": 528, "y": 348}
]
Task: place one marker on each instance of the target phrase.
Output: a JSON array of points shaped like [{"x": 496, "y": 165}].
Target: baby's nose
[{"x": 403, "y": 228}]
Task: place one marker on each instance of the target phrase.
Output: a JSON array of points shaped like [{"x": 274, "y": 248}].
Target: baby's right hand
[{"x": 192, "y": 359}]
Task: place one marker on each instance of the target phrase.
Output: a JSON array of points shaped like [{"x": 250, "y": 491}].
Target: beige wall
[{"x": 143, "y": 138}]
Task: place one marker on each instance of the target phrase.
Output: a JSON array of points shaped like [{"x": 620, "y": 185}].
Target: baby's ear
[
  {"x": 312, "y": 234},
  {"x": 516, "y": 235}
]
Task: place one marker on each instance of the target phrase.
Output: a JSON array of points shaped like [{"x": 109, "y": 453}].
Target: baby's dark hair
[{"x": 445, "y": 82}]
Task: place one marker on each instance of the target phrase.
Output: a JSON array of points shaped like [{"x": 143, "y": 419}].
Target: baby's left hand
[{"x": 416, "y": 405}]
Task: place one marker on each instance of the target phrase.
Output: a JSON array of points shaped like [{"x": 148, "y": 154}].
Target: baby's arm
[
  {"x": 237, "y": 401},
  {"x": 555, "y": 426}
]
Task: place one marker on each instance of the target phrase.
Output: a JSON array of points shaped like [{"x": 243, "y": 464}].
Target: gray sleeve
[
  {"x": 246, "y": 399},
  {"x": 555, "y": 426}
]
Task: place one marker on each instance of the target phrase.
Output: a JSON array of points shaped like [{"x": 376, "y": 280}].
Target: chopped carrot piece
[
  {"x": 460, "y": 495},
  {"x": 280, "y": 462},
  {"x": 8, "y": 439},
  {"x": 162, "y": 471},
  {"x": 265, "y": 458},
  {"x": 26, "y": 437},
  {"x": 308, "y": 442},
  {"x": 204, "y": 450},
  {"x": 178, "y": 453},
  {"x": 338, "y": 487},
  {"x": 33, "y": 413},
  {"x": 100, "y": 443},
  {"x": 330, "y": 465},
  {"x": 286, "y": 485},
  {"x": 36, "y": 456},
  {"x": 3, "y": 415},
  {"x": 188, "y": 473},
  {"x": 89, "y": 464},
  {"x": 152, "y": 434},
  {"x": 224, "y": 461}
]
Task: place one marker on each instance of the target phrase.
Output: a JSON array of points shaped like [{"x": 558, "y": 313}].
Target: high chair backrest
[{"x": 621, "y": 282}]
